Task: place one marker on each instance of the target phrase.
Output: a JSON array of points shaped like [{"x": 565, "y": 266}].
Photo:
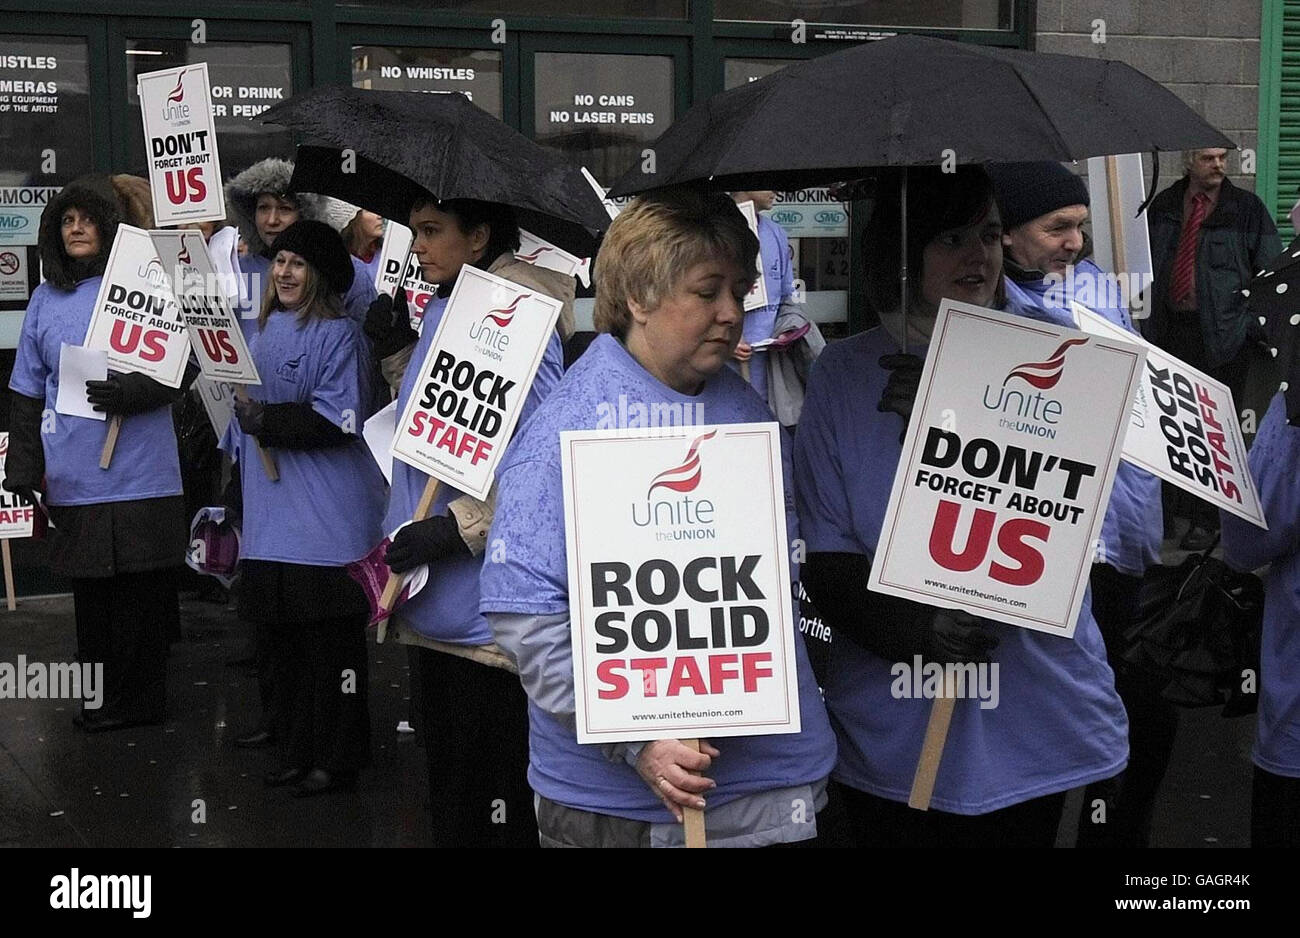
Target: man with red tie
[{"x": 1208, "y": 239}]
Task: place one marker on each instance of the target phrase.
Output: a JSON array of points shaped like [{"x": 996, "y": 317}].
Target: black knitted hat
[
  {"x": 1027, "y": 190},
  {"x": 323, "y": 248}
]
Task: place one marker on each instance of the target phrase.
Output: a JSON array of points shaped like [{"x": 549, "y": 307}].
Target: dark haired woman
[
  {"x": 473, "y": 713},
  {"x": 120, "y": 533},
  {"x": 1058, "y": 723},
  {"x": 301, "y": 531}
]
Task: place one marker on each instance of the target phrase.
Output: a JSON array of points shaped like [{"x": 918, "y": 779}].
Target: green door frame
[{"x": 1270, "y": 104}]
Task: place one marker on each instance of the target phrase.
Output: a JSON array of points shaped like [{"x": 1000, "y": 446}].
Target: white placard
[
  {"x": 392, "y": 258},
  {"x": 200, "y": 293},
  {"x": 218, "y": 399},
  {"x": 1183, "y": 427},
  {"x": 180, "y": 144},
  {"x": 1006, "y": 468},
  {"x": 136, "y": 320},
  {"x": 679, "y": 583},
  {"x": 757, "y": 297},
  {"x": 17, "y": 514},
  {"x": 418, "y": 292},
  {"x": 378, "y": 432},
  {"x": 1135, "y": 265},
  {"x": 541, "y": 253},
  {"x": 472, "y": 384},
  {"x": 78, "y": 365}
]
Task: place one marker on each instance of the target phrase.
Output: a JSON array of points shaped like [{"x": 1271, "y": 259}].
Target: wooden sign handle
[
  {"x": 393, "y": 588},
  {"x": 744, "y": 370},
  {"x": 10, "y": 599},
  {"x": 110, "y": 441},
  {"x": 936, "y": 735},
  {"x": 1115, "y": 210},
  {"x": 268, "y": 461},
  {"x": 693, "y": 818}
]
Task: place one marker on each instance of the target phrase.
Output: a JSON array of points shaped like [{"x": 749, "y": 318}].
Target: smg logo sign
[
  {"x": 1031, "y": 411},
  {"x": 12, "y": 221},
  {"x": 675, "y": 515}
]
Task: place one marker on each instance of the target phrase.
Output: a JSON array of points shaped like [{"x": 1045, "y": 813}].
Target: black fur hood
[
  {"x": 110, "y": 201},
  {"x": 268, "y": 175}
]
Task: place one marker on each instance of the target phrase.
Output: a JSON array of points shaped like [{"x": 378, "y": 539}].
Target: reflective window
[
  {"x": 963, "y": 14},
  {"x": 44, "y": 143},
  {"x": 473, "y": 73},
  {"x": 246, "y": 79},
  {"x": 602, "y": 109}
]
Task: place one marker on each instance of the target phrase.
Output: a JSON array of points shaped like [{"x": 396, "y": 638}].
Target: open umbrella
[
  {"x": 1273, "y": 301},
  {"x": 907, "y": 101},
  {"x": 404, "y": 142}
]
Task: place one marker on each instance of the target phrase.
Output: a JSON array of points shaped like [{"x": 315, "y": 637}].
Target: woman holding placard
[
  {"x": 471, "y": 711},
  {"x": 671, "y": 279},
  {"x": 301, "y": 531},
  {"x": 1050, "y": 720},
  {"x": 119, "y": 533}
]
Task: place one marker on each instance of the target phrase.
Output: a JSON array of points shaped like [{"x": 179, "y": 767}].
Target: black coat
[{"x": 1236, "y": 241}]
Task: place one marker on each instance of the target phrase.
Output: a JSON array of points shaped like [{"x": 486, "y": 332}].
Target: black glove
[
  {"x": 900, "y": 390},
  {"x": 388, "y": 325},
  {"x": 425, "y": 542},
  {"x": 299, "y": 426},
  {"x": 129, "y": 393},
  {"x": 958, "y": 637},
  {"x": 22, "y": 490},
  {"x": 250, "y": 415}
]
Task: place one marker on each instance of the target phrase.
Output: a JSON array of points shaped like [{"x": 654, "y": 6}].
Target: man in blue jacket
[{"x": 1044, "y": 209}]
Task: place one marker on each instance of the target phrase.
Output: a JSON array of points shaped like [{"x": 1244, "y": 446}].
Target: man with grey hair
[{"x": 1208, "y": 238}]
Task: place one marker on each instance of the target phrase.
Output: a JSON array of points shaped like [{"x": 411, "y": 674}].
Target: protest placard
[
  {"x": 473, "y": 381},
  {"x": 1006, "y": 468},
  {"x": 1183, "y": 427},
  {"x": 1120, "y": 238},
  {"x": 392, "y": 258},
  {"x": 218, "y": 399},
  {"x": 757, "y": 296},
  {"x": 418, "y": 291},
  {"x": 679, "y": 583},
  {"x": 136, "y": 320},
  {"x": 180, "y": 139},
  {"x": 199, "y": 290},
  {"x": 542, "y": 253}
]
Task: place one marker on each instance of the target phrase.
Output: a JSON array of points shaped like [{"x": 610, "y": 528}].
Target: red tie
[{"x": 1185, "y": 259}]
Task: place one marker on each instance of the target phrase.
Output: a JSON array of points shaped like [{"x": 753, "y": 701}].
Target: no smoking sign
[{"x": 9, "y": 262}]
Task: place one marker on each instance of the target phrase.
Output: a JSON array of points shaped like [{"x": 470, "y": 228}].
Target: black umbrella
[
  {"x": 907, "y": 101},
  {"x": 1273, "y": 302},
  {"x": 403, "y": 142}
]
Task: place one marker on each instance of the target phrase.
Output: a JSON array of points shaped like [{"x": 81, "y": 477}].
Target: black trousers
[
  {"x": 1274, "y": 810},
  {"x": 878, "y": 822},
  {"x": 474, "y": 722},
  {"x": 322, "y": 694},
  {"x": 1129, "y": 798},
  {"x": 123, "y": 622}
]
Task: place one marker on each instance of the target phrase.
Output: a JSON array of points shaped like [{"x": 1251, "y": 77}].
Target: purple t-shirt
[
  {"x": 532, "y": 578},
  {"x": 447, "y": 608},
  {"x": 326, "y": 508},
  {"x": 1058, "y": 723},
  {"x": 145, "y": 463}
]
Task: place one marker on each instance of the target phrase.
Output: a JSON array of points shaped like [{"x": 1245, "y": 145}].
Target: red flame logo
[
  {"x": 177, "y": 94},
  {"x": 542, "y": 249},
  {"x": 686, "y": 477},
  {"x": 184, "y": 254},
  {"x": 507, "y": 313},
  {"x": 1044, "y": 375}
]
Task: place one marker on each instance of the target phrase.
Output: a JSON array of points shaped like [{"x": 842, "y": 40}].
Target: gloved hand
[
  {"x": 900, "y": 390},
  {"x": 21, "y": 489},
  {"x": 424, "y": 542},
  {"x": 958, "y": 637},
  {"x": 129, "y": 393},
  {"x": 251, "y": 416},
  {"x": 388, "y": 324}
]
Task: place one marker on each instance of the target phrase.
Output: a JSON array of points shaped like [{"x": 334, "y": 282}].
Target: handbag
[{"x": 1197, "y": 634}]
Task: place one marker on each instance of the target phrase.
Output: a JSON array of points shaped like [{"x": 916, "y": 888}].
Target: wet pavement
[{"x": 185, "y": 784}]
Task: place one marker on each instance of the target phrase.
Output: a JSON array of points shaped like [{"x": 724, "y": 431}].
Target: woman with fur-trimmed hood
[
  {"x": 119, "y": 533},
  {"x": 260, "y": 204}
]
